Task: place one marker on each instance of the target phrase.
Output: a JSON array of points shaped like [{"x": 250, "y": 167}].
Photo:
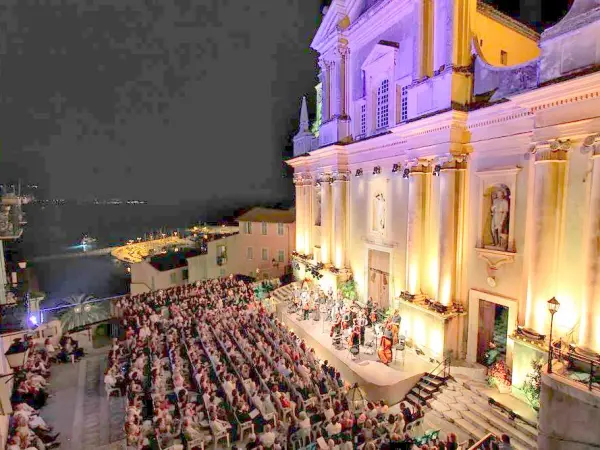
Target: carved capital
[
  {"x": 552, "y": 150},
  {"x": 342, "y": 49},
  {"x": 591, "y": 144},
  {"x": 324, "y": 178},
  {"x": 418, "y": 165},
  {"x": 452, "y": 161},
  {"x": 342, "y": 175},
  {"x": 298, "y": 180}
]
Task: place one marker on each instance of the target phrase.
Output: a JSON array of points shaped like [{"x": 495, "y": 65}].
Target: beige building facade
[{"x": 454, "y": 174}]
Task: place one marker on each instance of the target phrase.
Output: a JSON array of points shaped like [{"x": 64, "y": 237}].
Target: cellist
[{"x": 385, "y": 346}]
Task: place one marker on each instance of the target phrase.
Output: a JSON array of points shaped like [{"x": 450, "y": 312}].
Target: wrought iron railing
[
  {"x": 568, "y": 354},
  {"x": 484, "y": 442},
  {"x": 441, "y": 370}
]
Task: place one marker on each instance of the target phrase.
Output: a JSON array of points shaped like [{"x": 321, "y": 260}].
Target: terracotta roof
[
  {"x": 173, "y": 260},
  {"x": 269, "y": 215}
]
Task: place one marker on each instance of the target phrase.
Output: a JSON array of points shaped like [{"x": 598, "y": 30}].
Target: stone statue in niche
[
  {"x": 379, "y": 213},
  {"x": 318, "y": 206},
  {"x": 499, "y": 214}
]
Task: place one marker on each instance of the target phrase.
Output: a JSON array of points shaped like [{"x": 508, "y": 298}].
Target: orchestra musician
[
  {"x": 354, "y": 341},
  {"x": 370, "y": 310},
  {"x": 362, "y": 324},
  {"x": 394, "y": 323},
  {"x": 385, "y": 346},
  {"x": 337, "y": 325}
]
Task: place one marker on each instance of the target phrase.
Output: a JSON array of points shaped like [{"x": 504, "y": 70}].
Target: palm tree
[{"x": 83, "y": 311}]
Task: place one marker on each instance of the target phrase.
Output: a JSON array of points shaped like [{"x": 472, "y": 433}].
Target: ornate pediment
[
  {"x": 383, "y": 53},
  {"x": 335, "y": 17}
]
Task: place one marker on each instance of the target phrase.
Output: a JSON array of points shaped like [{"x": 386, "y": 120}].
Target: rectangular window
[
  {"x": 281, "y": 256},
  {"x": 265, "y": 254},
  {"x": 186, "y": 274},
  {"x": 503, "y": 58},
  {"x": 404, "y": 104},
  {"x": 248, "y": 227},
  {"x": 280, "y": 229},
  {"x": 250, "y": 253},
  {"x": 264, "y": 228},
  {"x": 174, "y": 278},
  {"x": 383, "y": 104},
  {"x": 363, "y": 120}
]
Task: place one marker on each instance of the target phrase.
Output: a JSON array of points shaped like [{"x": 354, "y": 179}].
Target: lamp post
[{"x": 553, "y": 306}]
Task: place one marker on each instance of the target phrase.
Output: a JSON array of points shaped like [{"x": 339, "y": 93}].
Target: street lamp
[
  {"x": 553, "y": 306},
  {"x": 16, "y": 356}
]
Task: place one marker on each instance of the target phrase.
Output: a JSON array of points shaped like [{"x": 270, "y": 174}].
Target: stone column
[
  {"x": 298, "y": 182},
  {"x": 417, "y": 195},
  {"x": 326, "y": 89},
  {"x": 326, "y": 218},
  {"x": 450, "y": 192},
  {"x": 548, "y": 194},
  {"x": 340, "y": 211},
  {"x": 589, "y": 330},
  {"x": 339, "y": 85},
  {"x": 308, "y": 220}
]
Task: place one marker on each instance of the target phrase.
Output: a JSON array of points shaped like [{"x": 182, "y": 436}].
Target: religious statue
[
  {"x": 318, "y": 207},
  {"x": 379, "y": 216},
  {"x": 499, "y": 223}
]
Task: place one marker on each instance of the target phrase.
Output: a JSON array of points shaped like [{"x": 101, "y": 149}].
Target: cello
[{"x": 384, "y": 352}]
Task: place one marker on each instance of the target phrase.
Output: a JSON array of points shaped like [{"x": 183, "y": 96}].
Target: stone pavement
[{"x": 79, "y": 409}]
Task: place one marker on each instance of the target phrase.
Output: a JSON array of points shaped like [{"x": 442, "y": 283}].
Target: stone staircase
[
  {"x": 425, "y": 390},
  {"x": 284, "y": 293},
  {"x": 464, "y": 403}
]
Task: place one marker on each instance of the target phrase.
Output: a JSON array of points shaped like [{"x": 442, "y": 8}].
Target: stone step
[
  {"x": 503, "y": 426},
  {"x": 523, "y": 427},
  {"x": 432, "y": 381},
  {"x": 472, "y": 430},
  {"x": 447, "y": 399},
  {"x": 427, "y": 387},
  {"x": 438, "y": 406},
  {"x": 423, "y": 395},
  {"x": 480, "y": 422},
  {"x": 413, "y": 399}
]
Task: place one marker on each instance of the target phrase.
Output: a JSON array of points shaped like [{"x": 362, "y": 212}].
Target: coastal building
[
  {"x": 262, "y": 247},
  {"x": 452, "y": 172},
  {"x": 11, "y": 228}
]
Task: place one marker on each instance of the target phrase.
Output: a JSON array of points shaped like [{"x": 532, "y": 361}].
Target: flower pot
[{"x": 503, "y": 388}]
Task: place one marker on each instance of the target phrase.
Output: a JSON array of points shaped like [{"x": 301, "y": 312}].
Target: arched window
[{"x": 383, "y": 104}]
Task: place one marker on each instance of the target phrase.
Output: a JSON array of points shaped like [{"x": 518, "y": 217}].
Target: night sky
[{"x": 166, "y": 101}]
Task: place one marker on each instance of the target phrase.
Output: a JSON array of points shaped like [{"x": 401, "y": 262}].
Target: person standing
[{"x": 362, "y": 324}]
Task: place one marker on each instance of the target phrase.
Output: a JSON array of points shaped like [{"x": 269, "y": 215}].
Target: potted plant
[
  {"x": 532, "y": 385},
  {"x": 499, "y": 376}
]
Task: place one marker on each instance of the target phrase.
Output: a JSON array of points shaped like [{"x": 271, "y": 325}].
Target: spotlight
[
  {"x": 358, "y": 173},
  {"x": 436, "y": 170},
  {"x": 376, "y": 170},
  {"x": 406, "y": 173},
  {"x": 396, "y": 168}
]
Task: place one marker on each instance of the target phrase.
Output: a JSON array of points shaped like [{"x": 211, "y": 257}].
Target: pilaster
[
  {"x": 325, "y": 180},
  {"x": 299, "y": 201},
  {"x": 418, "y": 173},
  {"x": 340, "y": 222},
  {"x": 550, "y": 168},
  {"x": 451, "y": 192},
  {"x": 589, "y": 329},
  {"x": 308, "y": 214}
]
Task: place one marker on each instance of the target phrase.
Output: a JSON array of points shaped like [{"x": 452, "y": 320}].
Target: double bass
[{"x": 384, "y": 352}]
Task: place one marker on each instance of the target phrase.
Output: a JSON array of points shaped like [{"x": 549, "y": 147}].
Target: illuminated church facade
[{"x": 452, "y": 172}]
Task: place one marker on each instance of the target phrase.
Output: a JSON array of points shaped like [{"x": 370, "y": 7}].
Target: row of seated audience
[
  {"x": 206, "y": 363},
  {"x": 27, "y": 429}
]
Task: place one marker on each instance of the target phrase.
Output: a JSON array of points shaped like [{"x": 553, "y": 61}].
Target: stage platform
[{"x": 390, "y": 383}]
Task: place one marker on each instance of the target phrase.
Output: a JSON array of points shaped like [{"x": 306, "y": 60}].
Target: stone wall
[{"x": 569, "y": 415}]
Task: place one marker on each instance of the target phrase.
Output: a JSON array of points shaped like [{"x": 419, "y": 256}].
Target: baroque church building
[{"x": 452, "y": 173}]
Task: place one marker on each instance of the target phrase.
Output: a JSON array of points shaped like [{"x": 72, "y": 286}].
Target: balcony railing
[
  {"x": 11, "y": 217},
  {"x": 582, "y": 368}
]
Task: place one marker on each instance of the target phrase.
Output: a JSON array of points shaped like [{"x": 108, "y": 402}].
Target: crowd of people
[
  {"x": 27, "y": 429},
  {"x": 207, "y": 362}
]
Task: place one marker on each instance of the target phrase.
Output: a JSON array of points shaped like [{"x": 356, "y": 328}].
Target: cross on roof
[{"x": 58, "y": 100}]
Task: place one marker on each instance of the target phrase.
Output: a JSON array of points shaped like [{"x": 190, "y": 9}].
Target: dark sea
[{"x": 58, "y": 229}]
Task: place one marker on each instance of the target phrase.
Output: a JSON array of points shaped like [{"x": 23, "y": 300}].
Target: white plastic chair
[{"x": 109, "y": 390}]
